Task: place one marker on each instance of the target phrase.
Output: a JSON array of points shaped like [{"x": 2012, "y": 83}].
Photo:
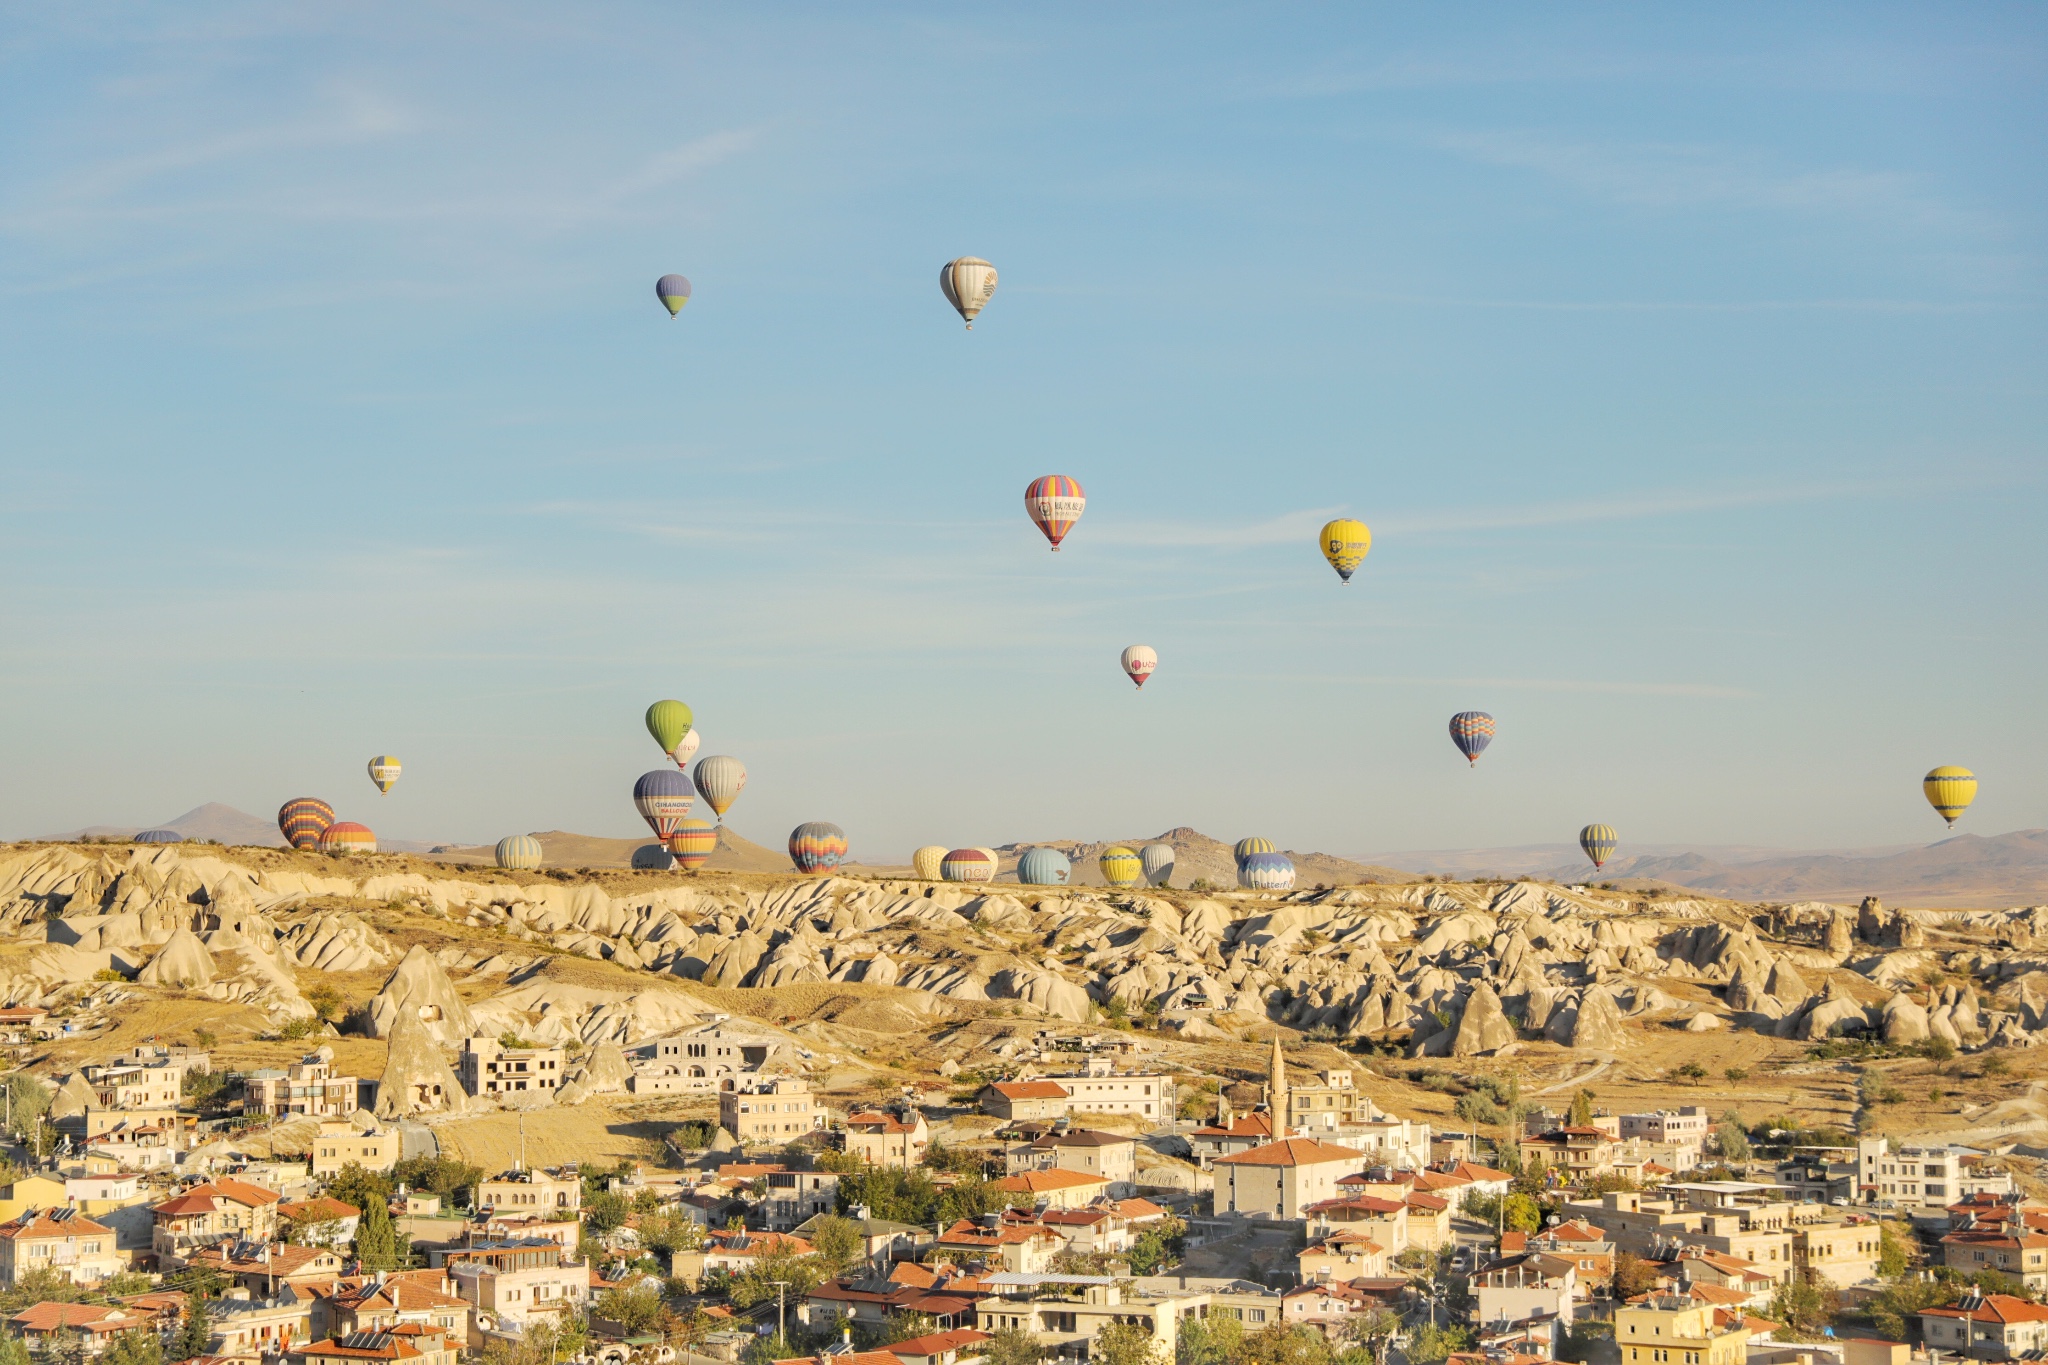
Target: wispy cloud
[{"x": 1280, "y": 530}]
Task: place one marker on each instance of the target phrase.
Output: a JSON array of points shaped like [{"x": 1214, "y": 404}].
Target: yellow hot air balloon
[
  {"x": 384, "y": 772},
  {"x": 925, "y": 862},
  {"x": 1345, "y": 543},
  {"x": 1950, "y": 790}
]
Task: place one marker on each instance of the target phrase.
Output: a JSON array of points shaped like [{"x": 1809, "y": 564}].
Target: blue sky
[{"x": 1688, "y": 367}]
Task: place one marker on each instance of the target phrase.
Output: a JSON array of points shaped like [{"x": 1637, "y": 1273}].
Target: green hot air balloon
[{"x": 668, "y": 722}]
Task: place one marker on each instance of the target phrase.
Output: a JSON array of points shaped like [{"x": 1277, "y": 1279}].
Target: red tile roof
[
  {"x": 40, "y": 1223},
  {"x": 939, "y": 1342},
  {"x": 880, "y": 1123},
  {"x": 1030, "y": 1090},
  {"x": 319, "y": 1209},
  {"x": 51, "y": 1317},
  {"x": 1034, "y": 1182},
  {"x": 1292, "y": 1152},
  {"x": 1244, "y": 1125},
  {"x": 2000, "y": 1308}
]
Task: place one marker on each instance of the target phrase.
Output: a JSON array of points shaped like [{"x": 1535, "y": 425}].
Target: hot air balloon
[
  {"x": 653, "y": 858},
  {"x": 518, "y": 853},
  {"x": 968, "y": 865},
  {"x": 1139, "y": 661},
  {"x": 817, "y": 846},
  {"x": 1599, "y": 842},
  {"x": 668, "y": 722},
  {"x": 927, "y": 862},
  {"x": 663, "y": 798},
  {"x": 301, "y": 819},
  {"x": 346, "y": 836},
  {"x": 721, "y": 778},
  {"x": 1345, "y": 543},
  {"x": 1055, "y": 502},
  {"x": 1043, "y": 867},
  {"x": 159, "y": 836},
  {"x": 1121, "y": 867},
  {"x": 968, "y": 282},
  {"x": 693, "y": 843},
  {"x": 673, "y": 291},
  {"x": 1950, "y": 791},
  {"x": 1472, "y": 731},
  {"x": 1266, "y": 872},
  {"x": 686, "y": 748},
  {"x": 1157, "y": 860},
  {"x": 1246, "y": 847},
  {"x": 384, "y": 772}
]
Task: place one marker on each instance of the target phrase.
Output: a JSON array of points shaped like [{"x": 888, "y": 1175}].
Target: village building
[
  {"x": 1987, "y": 1327},
  {"x": 796, "y": 1197},
  {"x": 514, "y": 1281},
  {"x": 1661, "y": 1329},
  {"x": 1516, "y": 1291},
  {"x": 93, "y": 1326},
  {"x": 60, "y": 1240},
  {"x": 759, "y": 1108},
  {"x": 1281, "y": 1179},
  {"x": 220, "y": 1210},
  {"x": 1056, "y": 1188},
  {"x": 489, "y": 1068},
  {"x": 345, "y": 1142},
  {"x": 1686, "y": 1126},
  {"x": 132, "y": 1085},
  {"x": 1015, "y": 1100},
  {"x": 2018, "y": 1257},
  {"x": 897, "y": 1142},
  {"x": 1091, "y": 1151},
  {"x": 308, "y": 1086},
  {"x": 548, "y": 1194},
  {"x": 701, "y": 1060},
  {"x": 1100, "y": 1089}
]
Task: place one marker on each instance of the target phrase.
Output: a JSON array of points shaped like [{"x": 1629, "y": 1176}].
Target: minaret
[{"x": 1276, "y": 1091}]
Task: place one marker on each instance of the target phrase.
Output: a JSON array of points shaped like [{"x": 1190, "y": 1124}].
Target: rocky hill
[{"x": 880, "y": 980}]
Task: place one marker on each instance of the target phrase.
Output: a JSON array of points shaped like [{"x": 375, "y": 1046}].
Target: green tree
[
  {"x": 143, "y": 1347},
  {"x": 636, "y": 1307},
  {"x": 1581, "y": 1115},
  {"x": 1520, "y": 1213},
  {"x": 756, "y": 1284},
  {"x": 1802, "y": 1308},
  {"x": 14, "y": 1351},
  {"x": 1014, "y": 1346},
  {"x": 445, "y": 1176},
  {"x": 1895, "y": 1310},
  {"x": 377, "y": 1239},
  {"x": 195, "y": 1333},
  {"x": 1478, "y": 1111},
  {"x": 1158, "y": 1247},
  {"x": 1734, "y": 1142},
  {"x": 840, "y": 1243},
  {"x": 668, "y": 1231},
  {"x": 1285, "y": 1344},
  {"x": 27, "y": 1101},
  {"x": 1126, "y": 1343},
  {"x": 1633, "y": 1275},
  {"x": 973, "y": 1198},
  {"x": 1584, "y": 1339},
  {"x": 762, "y": 1350},
  {"x": 603, "y": 1212},
  {"x": 354, "y": 1185},
  {"x": 1432, "y": 1343},
  {"x": 908, "y": 1327},
  {"x": 1894, "y": 1252}
]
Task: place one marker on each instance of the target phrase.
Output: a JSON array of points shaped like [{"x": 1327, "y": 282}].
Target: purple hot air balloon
[{"x": 663, "y": 799}]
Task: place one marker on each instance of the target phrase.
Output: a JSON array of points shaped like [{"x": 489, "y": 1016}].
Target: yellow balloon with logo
[
  {"x": 1950, "y": 790},
  {"x": 1345, "y": 543}
]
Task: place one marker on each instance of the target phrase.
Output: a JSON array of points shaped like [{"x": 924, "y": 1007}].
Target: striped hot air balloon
[
  {"x": 1950, "y": 790},
  {"x": 1345, "y": 543},
  {"x": 302, "y": 819},
  {"x": 518, "y": 853},
  {"x": 1246, "y": 847},
  {"x": 1055, "y": 502},
  {"x": 673, "y": 291},
  {"x": 694, "y": 842},
  {"x": 817, "y": 846},
  {"x": 384, "y": 772},
  {"x": 1157, "y": 860},
  {"x": 1121, "y": 867},
  {"x": 968, "y": 282},
  {"x": 346, "y": 836},
  {"x": 1266, "y": 872},
  {"x": 159, "y": 836},
  {"x": 720, "y": 779},
  {"x": 1472, "y": 731},
  {"x": 663, "y": 798},
  {"x": 1599, "y": 842},
  {"x": 968, "y": 865},
  {"x": 1043, "y": 867},
  {"x": 927, "y": 862},
  {"x": 653, "y": 858}
]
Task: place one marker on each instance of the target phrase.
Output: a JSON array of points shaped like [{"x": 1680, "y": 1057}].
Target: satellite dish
[{"x": 1551, "y": 1221}]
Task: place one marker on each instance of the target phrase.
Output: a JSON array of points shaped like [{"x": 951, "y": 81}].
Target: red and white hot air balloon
[
  {"x": 1139, "y": 661},
  {"x": 1055, "y": 502}
]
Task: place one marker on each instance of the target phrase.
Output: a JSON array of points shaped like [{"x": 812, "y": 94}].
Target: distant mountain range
[
  {"x": 1966, "y": 871},
  {"x": 223, "y": 825}
]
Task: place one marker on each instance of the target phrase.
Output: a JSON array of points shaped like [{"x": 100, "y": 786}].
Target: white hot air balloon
[
  {"x": 1157, "y": 860},
  {"x": 720, "y": 780},
  {"x": 686, "y": 748},
  {"x": 1139, "y": 661},
  {"x": 969, "y": 282}
]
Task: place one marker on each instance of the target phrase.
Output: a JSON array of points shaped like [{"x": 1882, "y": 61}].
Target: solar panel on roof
[{"x": 366, "y": 1341}]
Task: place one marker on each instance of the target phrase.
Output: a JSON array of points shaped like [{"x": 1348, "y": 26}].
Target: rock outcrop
[
  {"x": 417, "y": 1078},
  {"x": 419, "y": 990}
]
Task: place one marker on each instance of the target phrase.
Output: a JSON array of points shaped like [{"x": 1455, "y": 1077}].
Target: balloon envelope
[
  {"x": 928, "y": 862},
  {"x": 302, "y": 819},
  {"x": 663, "y": 798},
  {"x": 1472, "y": 731},
  {"x": 968, "y": 865},
  {"x": 721, "y": 778},
  {"x": 518, "y": 852},
  {"x": 1157, "y": 860},
  {"x": 346, "y": 836},
  {"x": 1345, "y": 543},
  {"x": 1246, "y": 847},
  {"x": 817, "y": 846},
  {"x": 668, "y": 722},
  {"x": 968, "y": 283},
  {"x": 1139, "y": 661},
  {"x": 1266, "y": 872},
  {"x": 673, "y": 291},
  {"x": 1121, "y": 867},
  {"x": 686, "y": 748},
  {"x": 1950, "y": 790},
  {"x": 1043, "y": 867},
  {"x": 159, "y": 836},
  {"x": 653, "y": 858},
  {"x": 1055, "y": 502},
  {"x": 384, "y": 771},
  {"x": 693, "y": 843},
  {"x": 1599, "y": 842}
]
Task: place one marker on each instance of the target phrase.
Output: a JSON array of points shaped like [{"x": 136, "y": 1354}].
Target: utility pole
[{"x": 781, "y": 1311}]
